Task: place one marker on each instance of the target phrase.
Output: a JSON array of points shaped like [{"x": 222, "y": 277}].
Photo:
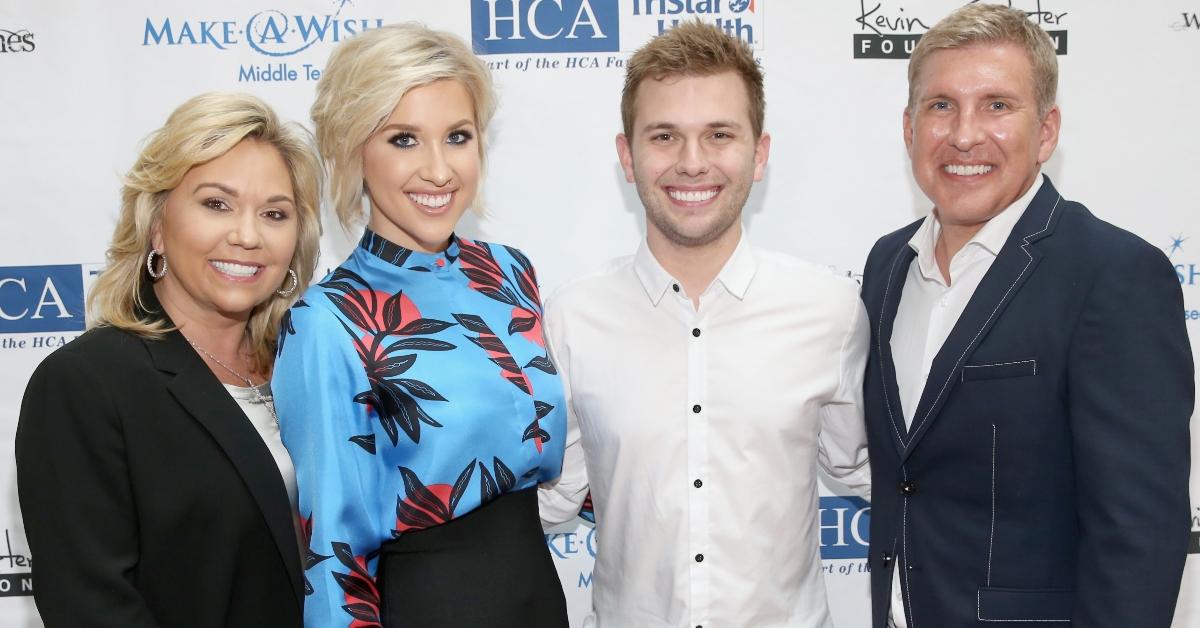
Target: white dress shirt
[
  {"x": 929, "y": 308},
  {"x": 703, "y": 429}
]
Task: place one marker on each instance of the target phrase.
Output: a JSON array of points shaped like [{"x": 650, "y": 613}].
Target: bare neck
[
  {"x": 219, "y": 335},
  {"x": 694, "y": 266},
  {"x": 950, "y": 241}
]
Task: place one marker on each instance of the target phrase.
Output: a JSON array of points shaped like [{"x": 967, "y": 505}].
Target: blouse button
[{"x": 440, "y": 262}]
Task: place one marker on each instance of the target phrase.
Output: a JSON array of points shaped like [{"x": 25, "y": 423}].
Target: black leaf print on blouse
[
  {"x": 286, "y": 328},
  {"x": 311, "y": 558},
  {"x": 487, "y": 486},
  {"x": 366, "y": 441},
  {"x": 504, "y": 476},
  {"x": 542, "y": 363},
  {"x": 362, "y": 596},
  {"x": 422, "y": 507},
  {"x": 379, "y": 318}
]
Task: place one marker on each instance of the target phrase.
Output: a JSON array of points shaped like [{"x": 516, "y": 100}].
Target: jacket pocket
[
  {"x": 998, "y": 370},
  {"x": 1033, "y": 605}
]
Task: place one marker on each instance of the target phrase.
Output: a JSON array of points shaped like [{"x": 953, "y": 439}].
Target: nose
[
  {"x": 245, "y": 230},
  {"x": 436, "y": 169},
  {"x": 693, "y": 159},
  {"x": 967, "y": 131}
]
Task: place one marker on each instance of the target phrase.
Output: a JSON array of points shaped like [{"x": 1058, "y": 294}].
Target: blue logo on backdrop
[
  {"x": 41, "y": 299},
  {"x": 1186, "y": 270},
  {"x": 845, "y": 524},
  {"x": 511, "y": 26},
  {"x": 270, "y": 32}
]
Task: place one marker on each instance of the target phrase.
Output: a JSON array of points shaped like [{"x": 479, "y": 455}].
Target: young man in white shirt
[{"x": 706, "y": 380}]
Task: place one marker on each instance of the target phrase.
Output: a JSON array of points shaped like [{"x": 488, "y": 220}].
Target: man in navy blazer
[{"x": 1030, "y": 380}]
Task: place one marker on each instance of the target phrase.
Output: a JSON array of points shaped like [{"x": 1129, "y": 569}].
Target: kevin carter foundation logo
[{"x": 885, "y": 29}]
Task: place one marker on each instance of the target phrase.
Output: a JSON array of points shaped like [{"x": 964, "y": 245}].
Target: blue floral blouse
[{"x": 411, "y": 389}]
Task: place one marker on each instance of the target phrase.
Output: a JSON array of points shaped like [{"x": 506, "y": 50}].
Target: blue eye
[
  {"x": 403, "y": 140},
  {"x": 459, "y": 137},
  {"x": 998, "y": 106}
]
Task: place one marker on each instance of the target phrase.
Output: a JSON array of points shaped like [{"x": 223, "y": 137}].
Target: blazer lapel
[
  {"x": 203, "y": 396},
  {"x": 893, "y": 287},
  {"x": 1014, "y": 264}
]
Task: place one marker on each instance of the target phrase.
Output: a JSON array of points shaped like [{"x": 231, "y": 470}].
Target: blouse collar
[{"x": 404, "y": 257}]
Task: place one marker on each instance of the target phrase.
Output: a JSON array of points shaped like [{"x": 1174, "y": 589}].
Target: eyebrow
[
  {"x": 400, "y": 126},
  {"x": 278, "y": 198},
  {"x": 671, "y": 126}
]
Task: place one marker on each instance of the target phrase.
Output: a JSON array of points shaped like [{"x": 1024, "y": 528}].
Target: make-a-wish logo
[
  {"x": 845, "y": 524},
  {"x": 887, "y": 30},
  {"x": 1187, "y": 271},
  {"x": 20, "y": 40},
  {"x": 270, "y": 32},
  {"x": 1189, "y": 22}
]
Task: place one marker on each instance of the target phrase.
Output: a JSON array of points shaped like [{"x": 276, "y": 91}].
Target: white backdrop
[{"x": 83, "y": 83}]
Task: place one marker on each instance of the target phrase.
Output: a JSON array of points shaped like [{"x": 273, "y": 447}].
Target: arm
[
  {"x": 76, "y": 500},
  {"x": 842, "y": 447},
  {"x": 560, "y": 500},
  {"x": 1130, "y": 394},
  {"x": 317, "y": 375}
]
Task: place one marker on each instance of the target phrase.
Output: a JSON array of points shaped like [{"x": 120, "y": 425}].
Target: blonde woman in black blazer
[{"x": 152, "y": 498}]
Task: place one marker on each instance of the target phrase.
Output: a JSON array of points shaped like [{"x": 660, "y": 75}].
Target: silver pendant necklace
[{"x": 249, "y": 383}]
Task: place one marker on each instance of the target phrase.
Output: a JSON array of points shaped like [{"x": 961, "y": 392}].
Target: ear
[
  {"x": 625, "y": 154},
  {"x": 762, "y": 149},
  {"x": 1048, "y": 133},
  {"x": 908, "y": 132}
]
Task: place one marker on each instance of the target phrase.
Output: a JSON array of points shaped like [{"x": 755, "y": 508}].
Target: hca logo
[
  {"x": 41, "y": 299},
  {"x": 845, "y": 524},
  {"x": 512, "y": 26}
]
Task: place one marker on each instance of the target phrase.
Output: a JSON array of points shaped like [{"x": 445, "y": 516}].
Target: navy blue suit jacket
[{"x": 1044, "y": 477}]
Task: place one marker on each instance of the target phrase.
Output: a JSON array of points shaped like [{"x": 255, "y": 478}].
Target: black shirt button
[
  {"x": 696, "y": 332},
  {"x": 696, "y": 409},
  {"x": 907, "y": 488},
  {"x": 698, "y": 483},
  {"x": 675, "y": 287},
  {"x": 699, "y": 558}
]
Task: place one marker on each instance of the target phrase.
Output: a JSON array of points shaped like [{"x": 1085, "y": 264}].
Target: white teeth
[
  {"x": 430, "y": 200},
  {"x": 966, "y": 171},
  {"x": 237, "y": 270},
  {"x": 689, "y": 196}
]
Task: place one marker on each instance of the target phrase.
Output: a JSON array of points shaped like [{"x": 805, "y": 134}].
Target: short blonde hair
[
  {"x": 694, "y": 49},
  {"x": 364, "y": 80},
  {"x": 200, "y": 130},
  {"x": 991, "y": 24}
]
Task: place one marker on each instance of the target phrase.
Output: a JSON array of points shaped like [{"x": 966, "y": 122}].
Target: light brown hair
[{"x": 694, "y": 49}]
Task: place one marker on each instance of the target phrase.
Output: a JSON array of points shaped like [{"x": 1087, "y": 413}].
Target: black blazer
[
  {"x": 149, "y": 499},
  {"x": 1045, "y": 475}
]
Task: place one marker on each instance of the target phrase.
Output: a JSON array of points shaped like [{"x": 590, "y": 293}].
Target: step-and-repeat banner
[{"x": 81, "y": 83}]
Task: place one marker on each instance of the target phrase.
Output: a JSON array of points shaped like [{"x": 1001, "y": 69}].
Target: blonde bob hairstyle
[
  {"x": 976, "y": 24},
  {"x": 200, "y": 130},
  {"x": 364, "y": 81}
]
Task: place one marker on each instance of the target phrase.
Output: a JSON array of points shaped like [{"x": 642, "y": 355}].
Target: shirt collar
[
  {"x": 404, "y": 257},
  {"x": 990, "y": 238},
  {"x": 735, "y": 275}
]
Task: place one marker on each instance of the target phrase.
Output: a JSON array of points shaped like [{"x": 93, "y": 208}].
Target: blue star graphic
[{"x": 1176, "y": 244}]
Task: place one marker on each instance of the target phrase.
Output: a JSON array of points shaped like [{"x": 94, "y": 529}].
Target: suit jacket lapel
[
  {"x": 203, "y": 396},
  {"x": 1015, "y": 263},
  {"x": 893, "y": 287}
]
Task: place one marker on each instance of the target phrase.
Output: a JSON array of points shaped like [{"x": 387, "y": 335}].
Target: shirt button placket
[{"x": 697, "y": 421}]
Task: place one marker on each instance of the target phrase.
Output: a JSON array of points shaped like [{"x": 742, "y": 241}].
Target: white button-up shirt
[
  {"x": 703, "y": 428},
  {"x": 929, "y": 308}
]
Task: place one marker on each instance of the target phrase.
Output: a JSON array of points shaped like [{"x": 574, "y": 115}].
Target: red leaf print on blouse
[
  {"x": 381, "y": 318},
  {"x": 427, "y": 506}
]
